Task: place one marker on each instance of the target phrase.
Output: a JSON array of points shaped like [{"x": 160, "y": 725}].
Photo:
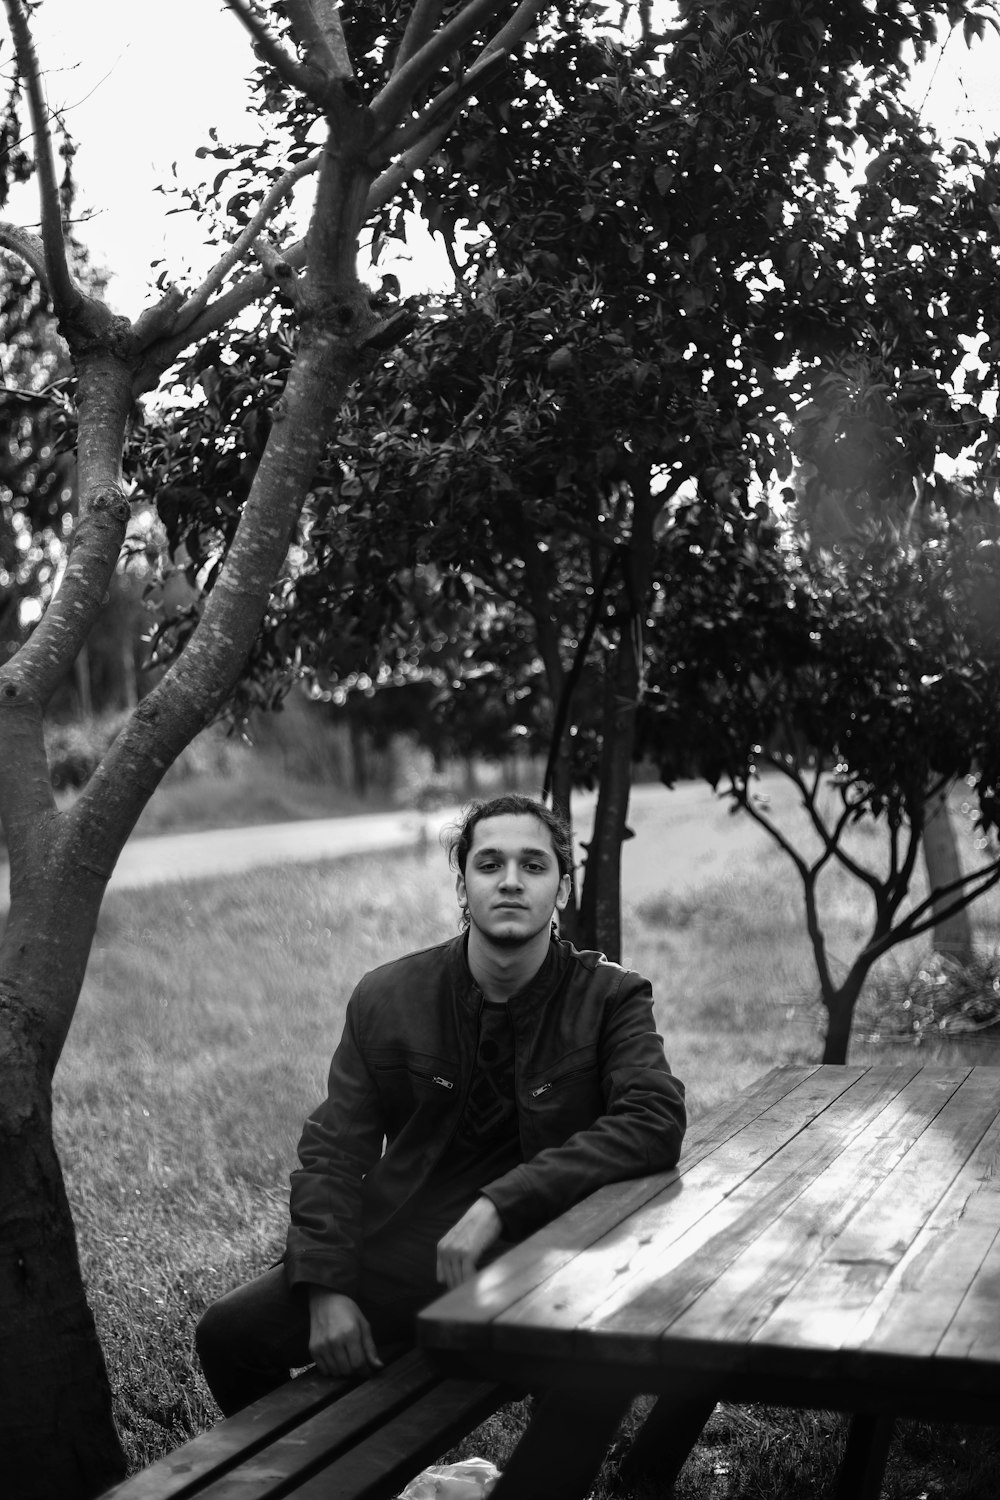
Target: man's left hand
[{"x": 459, "y": 1252}]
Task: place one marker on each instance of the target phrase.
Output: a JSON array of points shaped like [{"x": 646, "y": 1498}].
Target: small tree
[
  {"x": 867, "y": 679},
  {"x": 384, "y": 115}
]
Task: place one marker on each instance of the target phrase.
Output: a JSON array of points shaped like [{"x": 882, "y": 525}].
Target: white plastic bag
[{"x": 471, "y": 1480}]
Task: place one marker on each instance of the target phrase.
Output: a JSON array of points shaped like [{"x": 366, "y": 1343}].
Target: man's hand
[
  {"x": 458, "y": 1253},
  {"x": 340, "y": 1337}
]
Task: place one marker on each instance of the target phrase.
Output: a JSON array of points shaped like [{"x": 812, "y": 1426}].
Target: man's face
[{"x": 512, "y": 884}]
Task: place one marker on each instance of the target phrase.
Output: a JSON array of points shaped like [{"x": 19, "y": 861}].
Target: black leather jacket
[{"x": 596, "y": 1101}]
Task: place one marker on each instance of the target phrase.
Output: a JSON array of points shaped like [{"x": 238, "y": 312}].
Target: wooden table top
[{"x": 834, "y": 1231}]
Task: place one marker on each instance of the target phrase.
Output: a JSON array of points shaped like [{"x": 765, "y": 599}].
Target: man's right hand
[{"x": 340, "y": 1337}]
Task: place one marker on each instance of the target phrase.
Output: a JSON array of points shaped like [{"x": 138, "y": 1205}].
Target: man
[{"x": 480, "y": 1087}]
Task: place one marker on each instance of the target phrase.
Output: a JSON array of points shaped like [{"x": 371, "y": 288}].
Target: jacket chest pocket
[
  {"x": 407, "y": 1083},
  {"x": 566, "y": 1097}
]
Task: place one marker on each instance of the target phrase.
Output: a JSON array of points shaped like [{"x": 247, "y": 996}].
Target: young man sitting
[{"x": 480, "y": 1088}]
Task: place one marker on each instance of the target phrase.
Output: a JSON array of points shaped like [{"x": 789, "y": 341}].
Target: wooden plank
[
  {"x": 863, "y": 1465},
  {"x": 561, "y": 1453},
  {"x": 672, "y": 1248},
  {"x": 707, "y": 1131},
  {"x": 316, "y": 1441},
  {"x": 945, "y": 1256},
  {"x": 443, "y": 1325},
  {"x": 974, "y": 1332},
  {"x": 380, "y": 1465},
  {"x": 828, "y": 1306},
  {"x": 666, "y": 1438},
  {"x": 850, "y": 1204},
  {"x": 186, "y": 1470}
]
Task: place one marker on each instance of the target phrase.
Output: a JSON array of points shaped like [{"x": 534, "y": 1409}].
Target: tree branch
[
  {"x": 520, "y": 23},
  {"x": 392, "y": 102},
  {"x": 388, "y": 183},
  {"x": 318, "y": 31},
  {"x": 921, "y": 919},
  {"x": 775, "y": 832},
  {"x": 63, "y": 290},
  {"x": 818, "y": 941},
  {"x": 47, "y": 396},
  {"x": 217, "y": 315},
  {"x": 244, "y": 244},
  {"x": 987, "y": 875},
  {"x": 441, "y": 111},
  {"x": 419, "y": 29},
  {"x": 831, "y": 839},
  {"x": 271, "y": 50},
  {"x": 279, "y": 271},
  {"x": 28, "y": 248},
  {"x": 104, "y": 400}
]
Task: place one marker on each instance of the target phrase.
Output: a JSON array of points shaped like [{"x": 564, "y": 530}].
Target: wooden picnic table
[{"x": 830, "y": 1239}]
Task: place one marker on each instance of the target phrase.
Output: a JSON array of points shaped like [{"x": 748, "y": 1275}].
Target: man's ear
[
  {"x": 562, "y": 895},
  {"x": 460, "y": 889}
]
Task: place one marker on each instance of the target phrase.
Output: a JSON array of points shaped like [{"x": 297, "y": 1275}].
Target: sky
[{"x": 141, "y": 83}]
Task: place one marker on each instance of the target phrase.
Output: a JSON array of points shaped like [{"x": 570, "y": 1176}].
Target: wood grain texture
[
  {"x": 448, "y": 1321},
  {"x": 838, "y": 1227}
]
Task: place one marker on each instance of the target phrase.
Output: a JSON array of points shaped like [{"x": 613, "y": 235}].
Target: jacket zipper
[{"x": 543, "y": 1088}]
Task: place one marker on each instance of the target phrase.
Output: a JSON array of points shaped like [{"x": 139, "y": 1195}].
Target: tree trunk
[
  {"x": 540, "y": 605},
  {"x": 840, "y": 1004},
  {"x": 562, "y": 787},
  {"x": 57, "y": 1436},
  {"x": 952, "y": 934},
  {"x": 601, "y": 901},
  {"x": 600, "y": 906}
]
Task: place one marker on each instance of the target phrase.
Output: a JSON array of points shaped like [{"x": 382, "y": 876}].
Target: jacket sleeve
[
  {"x": 640, "y": 1130},
  {"x": 340, "y": 1142}
]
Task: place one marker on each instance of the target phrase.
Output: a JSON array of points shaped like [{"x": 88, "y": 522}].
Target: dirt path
[{"x": 683, "y": 837}]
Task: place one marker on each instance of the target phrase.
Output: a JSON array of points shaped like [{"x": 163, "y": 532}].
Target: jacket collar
[{"x": 537, "y": 989}]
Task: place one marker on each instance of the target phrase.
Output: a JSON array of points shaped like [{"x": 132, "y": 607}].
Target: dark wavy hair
[{"x": 457, "y": 839}]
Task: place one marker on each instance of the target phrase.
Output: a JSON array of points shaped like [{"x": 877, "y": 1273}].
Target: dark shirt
[{"x": 486, "y": 1144}]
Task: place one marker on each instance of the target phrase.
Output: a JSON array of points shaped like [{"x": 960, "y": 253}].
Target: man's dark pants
[{"x": 252, "y": 1338}]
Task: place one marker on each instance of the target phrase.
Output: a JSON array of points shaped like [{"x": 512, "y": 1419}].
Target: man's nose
[{"x": 512, "y": 874}]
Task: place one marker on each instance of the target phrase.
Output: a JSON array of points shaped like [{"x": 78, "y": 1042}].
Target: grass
[{"x": 202, "y": 1039}]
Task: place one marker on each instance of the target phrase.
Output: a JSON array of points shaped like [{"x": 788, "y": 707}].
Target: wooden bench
[{"x": 319, "y": 1439}]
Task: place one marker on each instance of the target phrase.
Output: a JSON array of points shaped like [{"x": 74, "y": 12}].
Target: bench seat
[{"x": 320, "y": 1439}]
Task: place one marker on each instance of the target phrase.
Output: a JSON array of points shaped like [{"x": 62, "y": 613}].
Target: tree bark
[
  {"x": 57, "y": 1435},
  {"x": 600, "y": 905},
  {"x": 840, "y": 1009},
  {"x": 60, "y": 862},
  {"x": 953, "y": 933},
  {"x": 539, "y": 586}
]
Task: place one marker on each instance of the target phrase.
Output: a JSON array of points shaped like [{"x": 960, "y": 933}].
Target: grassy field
[{"x": 202, "y": 1040}]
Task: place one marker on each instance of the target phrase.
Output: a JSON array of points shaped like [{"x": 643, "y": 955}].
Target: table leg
[
  {"x": 563, "y": 1447},
  {"x": 667, "y": 1436},
  {"x": 863, "y": 1465}
]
